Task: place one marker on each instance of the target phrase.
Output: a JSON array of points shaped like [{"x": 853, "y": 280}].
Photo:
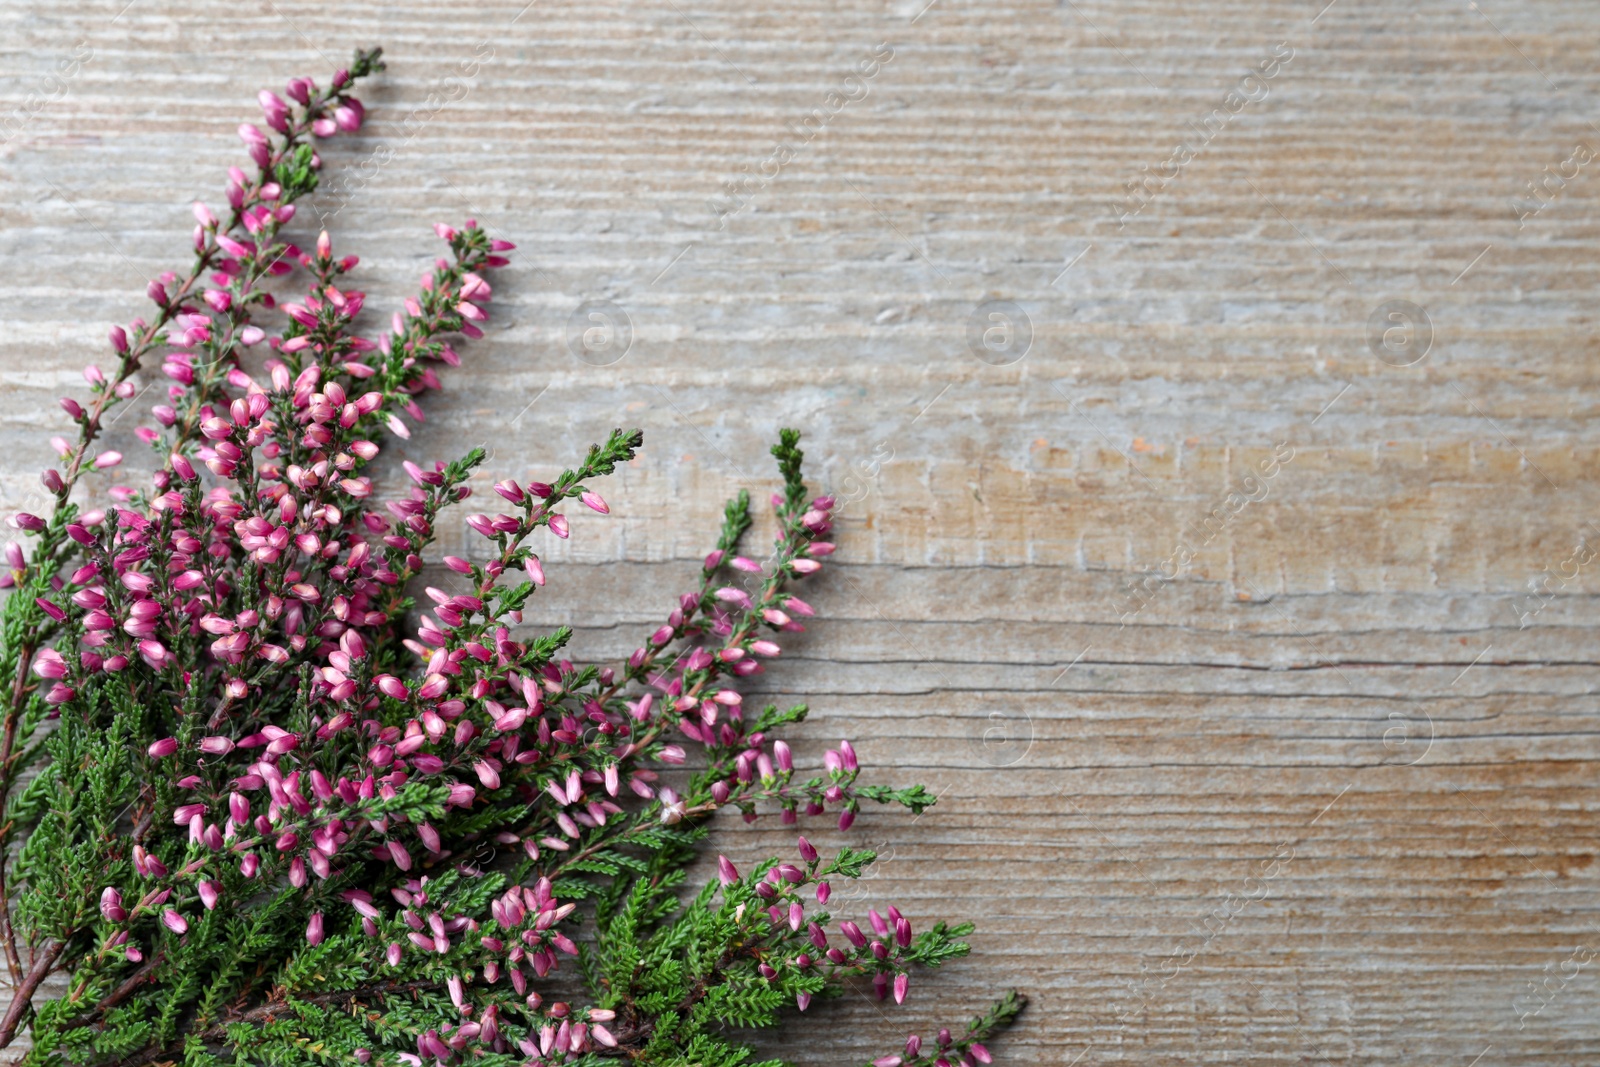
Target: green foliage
[
  {"x": 736, "y": 522},
  {"x": 296, "y": 173},
  {"x": 789, "y": 457}
]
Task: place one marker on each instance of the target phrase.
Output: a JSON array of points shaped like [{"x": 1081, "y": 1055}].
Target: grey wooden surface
[{"x": 1345, "y": 676}]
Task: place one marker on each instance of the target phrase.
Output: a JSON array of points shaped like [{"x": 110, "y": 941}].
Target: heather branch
[{"x": 283, "y": 794}]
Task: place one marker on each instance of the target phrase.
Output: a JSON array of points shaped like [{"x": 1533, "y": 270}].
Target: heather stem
[{"x": 22, "y": 1001}]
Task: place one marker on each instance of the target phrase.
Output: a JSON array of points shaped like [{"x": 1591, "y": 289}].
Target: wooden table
[{"x": 1234, "y": 766}]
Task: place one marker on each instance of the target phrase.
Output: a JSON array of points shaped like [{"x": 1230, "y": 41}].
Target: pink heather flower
[
  {"x": 391, "y": 687},
  {"x": 167, "y": 746},
  {"x": 558, "y": 525},
  {"x": 209, "y": 894},
  {"x": 979, "y": 1053},
  {"x": 50, "y": 664},
  {"x": 535, "y": 570},
  {"x": 901, "y": 982},
  {"x": 726, "y": 870},
  {"x": 595, "y": 502},
  {"x": 111, "y": 905},
  {"x": 486, "y": 774},
  {"x": 174, "y": 922},
  {"x": 314, "y": 929}
]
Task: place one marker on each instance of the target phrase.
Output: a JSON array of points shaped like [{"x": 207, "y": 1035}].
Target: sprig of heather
[
  {"x": 265, "y": 800},
  {"x": 240, "y": 247}
]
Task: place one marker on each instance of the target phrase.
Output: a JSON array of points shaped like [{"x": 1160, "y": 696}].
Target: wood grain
[{"x": 1345, "y": 673}]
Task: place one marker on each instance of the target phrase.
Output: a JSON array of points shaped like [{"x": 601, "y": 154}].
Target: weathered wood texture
[{"x": 1341, "y": 670}]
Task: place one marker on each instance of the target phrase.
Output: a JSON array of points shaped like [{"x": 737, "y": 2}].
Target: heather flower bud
[
  {"x": 391, "y": 687},
  {"x": 163, "y": 748},
  {"x": 50, "y": 664},
  {"x": 111, "y": 905}
]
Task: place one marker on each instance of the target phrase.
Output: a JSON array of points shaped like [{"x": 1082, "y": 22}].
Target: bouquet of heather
[{"x": 258, "y": 811}]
